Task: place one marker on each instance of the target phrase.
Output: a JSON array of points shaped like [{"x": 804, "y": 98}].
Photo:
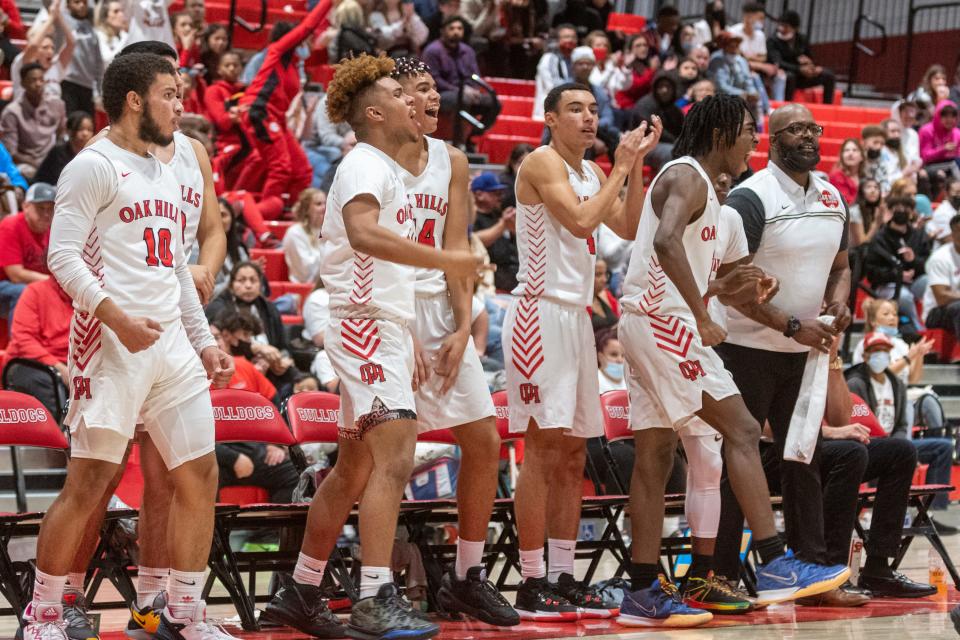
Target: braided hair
[
  {"x": 409, "y": 66},
  {"x": 723, "y": 113}
]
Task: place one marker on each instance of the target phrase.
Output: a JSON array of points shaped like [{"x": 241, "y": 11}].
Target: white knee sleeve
[{"x": 704, "y": 468}]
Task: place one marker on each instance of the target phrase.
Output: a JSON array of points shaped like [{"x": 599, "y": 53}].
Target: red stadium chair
[
  {"x": 513, "y": 87},
  {"x": 313, "y": 417},
  {"x": 279, "y": 228},
  {"x": 276, "y": 265},
  {"x": 626, "y": 23},
  {"x": 516, "y": 106},
  {"x": 616, "y": 426},
  {"x": 245, "y": 416}
]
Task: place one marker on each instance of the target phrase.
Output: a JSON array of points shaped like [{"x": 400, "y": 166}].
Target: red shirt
[
  {"x": 20, "y": 245},
  {"x": 846, "y": 185},
  {"x": 41, "y": 325},
  {"x": 248, "y": 377},
  {"x": 215, "y": 100}
]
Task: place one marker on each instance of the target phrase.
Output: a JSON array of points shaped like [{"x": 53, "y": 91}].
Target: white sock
[
  {"x": 469, "y": 554},
  {"x": 561, "y": 554},
  {"x": 48, "y": 589},
  {"x": 532, "y": 564},
  {"x": 371, "y": 578},
  {"x": 150, "y": 583},
  {"x": 184, "y": 594},
  {"x": 309, "y": 570},
  {"x": 75, "y": 581}
]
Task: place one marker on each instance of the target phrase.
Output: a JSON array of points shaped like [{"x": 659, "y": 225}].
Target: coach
[{"x": 796, "y": 227}]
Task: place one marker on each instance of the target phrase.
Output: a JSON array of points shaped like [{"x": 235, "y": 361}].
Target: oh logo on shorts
[
  {"x": 692, "y": 369},
  {"x": 371, "y": 373},
  {"x": 81, "y": 388},
  {"x": 529, "y": 393}
]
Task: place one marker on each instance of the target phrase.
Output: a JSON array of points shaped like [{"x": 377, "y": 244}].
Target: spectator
[
  {"x": 496, "y": 229},
  {"x": 354, "y": 37},
  {"x": 939, "y": 227},
  {"x": 661, "y": 102},
  {"x": 688, "y": 74},
  {"x": 149, "y": 20},
  {"x": 324, "y": 373},
  {"x": 41, "y": 49},
  {"x": 713, "y": 22},
  {"x": 197, "y": 11},
  {"x": 220, "y": 101},
  {"x": 245, "y": 294},
  {"x": 701, "y": 55},
  {"x": 81, "y": 83},
  {"x": 846, "y": 174},
  {"x": 446, "y": 9},
  {"x": 903, "y": 188},
  {"x": 326, "y": 144},
  {"x": 483, "y": 18},
  {"x": 660, "y": 33},
  {"x": 10, "y": 178},
  {"x": 641, "y": 67},
  {"x": 79, "y": 131},
  {"x": 605, "y": 310},
  {"x": 453, "y": 64},
  {"x": 110, "y": 24},
  {"x": 898, "y": 253},
  {"x": 301, "y": 244},
  {"x": 940, "y": 138},
  {"x": 730, "y": 72},
  {"x": 790, "y": 51},
  {"x": 213, "y": 43},
  {"x": 234, "y": 333},
  {"x": 609, "y": 72},
  {"x": 584, "y": 16},
  {"x": 40, "y": 331},
  {"x": 508, "y": 177},
  {"x": 933, "y": 88},
  {"x": 608, "y": 136},
  {"x": 868, "y": 213},
  {"x": 191, "y": 84},
  {"x": 684, "y": 41},
  {"x": 525, "y": 21},
  {"x": 697, "y": 92},
  {"x": 188, "y": 46},
  {"x": 399, "y": 30},
  {"x": 555, "y": 66},
  {"x": 875, "y": 164},
  {"x": 895, "y": 157},
  {"x": 753, "y": 47},
  {"x": 347, "y": 144},
  {"x": 610, "y": 360},
  {"x": 905, "y": 112},
  {"x": 237, "y": 249},
  {"x": 941, "y": 301},
  {"x": 12, "y": 23},
  {"x": 23, "y": 245},
  {"x": 886, "y": 396},
  {"x": 32, "y": 123}
]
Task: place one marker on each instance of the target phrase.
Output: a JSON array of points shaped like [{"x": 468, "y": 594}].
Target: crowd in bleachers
[{"x": 275, "y": 153}]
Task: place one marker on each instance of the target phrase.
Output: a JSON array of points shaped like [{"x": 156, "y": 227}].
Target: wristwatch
[
  {"x": 837, "y": 364},
  {"x": 793, "y": 326}
]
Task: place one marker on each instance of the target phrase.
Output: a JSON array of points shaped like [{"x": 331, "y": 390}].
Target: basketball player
[
  {"x": 674, "y": 375},
  {"x": 117, "y": 249},
  {"x": 369, "y": 269},
  {"x": 436, "y": 176},
  {"x": 551, "y": 366}
]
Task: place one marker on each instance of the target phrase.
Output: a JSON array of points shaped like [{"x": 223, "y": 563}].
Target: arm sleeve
[
  {"x": 191, "y": 312},
  {"x": 86, "y": 185},
  {"x": 216, "y": 108},
  {"x": 313, "y": 21},
  {"x": 746, "y": 203}
]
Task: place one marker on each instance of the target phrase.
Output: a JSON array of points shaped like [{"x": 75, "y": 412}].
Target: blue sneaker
[
  {"x": 788, "y": 578},
  {"x": 659, "y": 606}
]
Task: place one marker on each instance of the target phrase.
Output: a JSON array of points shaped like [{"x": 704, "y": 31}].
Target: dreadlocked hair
[
  {"x": 351, "y": 78},
  {"x": 721, "y": 113},
  {"x": 408, "y": 66}
]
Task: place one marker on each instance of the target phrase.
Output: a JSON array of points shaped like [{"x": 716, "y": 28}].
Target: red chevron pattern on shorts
[
  {"x": 84, "y": 339},
  {"x": 671, "y": 335},
  {"x": 527, "y": 348},
  {"x": 360, "y": 336},
  {"x": 534, "y": 226},
  {"x": 362, "y": 279},
  {"x": 656, "y": 288}
]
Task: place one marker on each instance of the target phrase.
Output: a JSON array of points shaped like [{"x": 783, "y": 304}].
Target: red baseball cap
[{"x": 877, "y": 340}]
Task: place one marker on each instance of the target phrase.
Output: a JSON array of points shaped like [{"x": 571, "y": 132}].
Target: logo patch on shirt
[{"x": 829, "y": 200}]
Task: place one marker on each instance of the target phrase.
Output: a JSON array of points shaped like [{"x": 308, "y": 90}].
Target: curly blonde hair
[{"x": 351, "y": 78}]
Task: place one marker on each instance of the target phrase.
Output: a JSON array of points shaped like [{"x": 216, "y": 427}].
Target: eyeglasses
[{"x": 798, "y": 129}]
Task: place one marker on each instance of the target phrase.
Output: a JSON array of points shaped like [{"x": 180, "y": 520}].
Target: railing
[
  {"x": 860, "y": 48},
  {"x": 911, "y": 22},
  {"x": 239, "y": 20}
]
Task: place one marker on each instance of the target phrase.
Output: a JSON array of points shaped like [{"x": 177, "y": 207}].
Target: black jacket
[
  {"x": 786, "y": 54},
  {"x": 669, "y": 113},
  {"x": 882, "y": 259},
  {"x": 858, "y": 379}
]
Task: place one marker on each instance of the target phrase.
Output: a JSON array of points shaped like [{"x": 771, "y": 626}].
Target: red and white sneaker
[
  {"x": 193, "y": 627},
  {"x": 44, "y": 622}
]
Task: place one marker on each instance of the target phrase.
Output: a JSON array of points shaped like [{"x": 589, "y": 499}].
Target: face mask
[
  {"x": 687, "y": 47},
  {"x": 600, "y": 54},
  {"x": 243, "y": 348},
  {"x": 614, "y": 370},
  {"x": 796, "y": 161},
  {"x": 894, "y": 143},
  {"x": 873, "y": 154},
  {"x": 888, "y": 331},
  {"x": 878, "y": 362},
  {"x": 566, "y": 47},
  {"x": 900, "y": 216},
  {"x": 955, "y": 202}
]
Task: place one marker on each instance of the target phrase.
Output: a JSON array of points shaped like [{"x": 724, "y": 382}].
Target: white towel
[{"x": 811, "y": 403}]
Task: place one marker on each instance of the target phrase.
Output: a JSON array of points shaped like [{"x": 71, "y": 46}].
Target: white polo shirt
[
  {"x": 753, "y": 44},
  {"x": 795, "y": 235},
  {"x": 942, "y": 268}
]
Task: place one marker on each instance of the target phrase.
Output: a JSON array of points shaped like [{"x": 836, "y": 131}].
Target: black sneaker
[
  {"x": 302, "y": 607},
  {"x": 585, "y": 598},
  {"x": 944, "y": 529},
  {"x": 387, "y": 616},
  {"x": 538, "y": 600},
  {"x": 477, "y": 597},
  {"x": 79, "y": 625}
]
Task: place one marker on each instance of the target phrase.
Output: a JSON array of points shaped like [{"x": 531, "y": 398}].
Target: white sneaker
[
  {"x": 192, "y": 627},
  {"x": 44, "y": 622}
]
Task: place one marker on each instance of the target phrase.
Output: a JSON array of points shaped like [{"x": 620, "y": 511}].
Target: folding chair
[
  {"x": 24, "y": 422},
  {"x": 44, "y": 372},
  {"x": 616, "y": 428},
  {"x": 241, "y": 416}
]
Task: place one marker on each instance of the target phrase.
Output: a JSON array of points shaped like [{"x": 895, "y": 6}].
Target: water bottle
[
  {"x": 855, "y": 556},
  {"x": 938, "y": 572}
]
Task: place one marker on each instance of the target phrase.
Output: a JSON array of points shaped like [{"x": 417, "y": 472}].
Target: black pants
[
  {"x": 844, "y": 465},
  {"x": 826, "y": 79},
  {"x": 77, "y": 98},
  {"x": 41, "y": 386},
  {"x": 769, "y": 382},
  {"x": 622, "y": 453},
  {"x": 280, "y": 479},
  {"x": 947, "y": 318}
]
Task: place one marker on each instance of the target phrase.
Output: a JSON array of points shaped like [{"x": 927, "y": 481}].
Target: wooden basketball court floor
[{"x": 882, "y": 619}]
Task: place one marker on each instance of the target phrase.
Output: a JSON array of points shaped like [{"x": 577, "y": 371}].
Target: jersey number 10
[{"x": 158, "y": 247}]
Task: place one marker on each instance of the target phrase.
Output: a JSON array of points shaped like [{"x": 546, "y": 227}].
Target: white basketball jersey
[
  {"x": 428, "y": 195},
  {"x": 361, "y": 286},
  {"x": 555, "y": 264},
  {"x": 136, "y": 239},
  {"x": 647, "y": 289},
  {"x": 186, "y": 168}
]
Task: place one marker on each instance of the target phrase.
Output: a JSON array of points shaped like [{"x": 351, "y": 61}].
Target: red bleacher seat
[
  {"x": 945, "y": 345},
  {"x": 498, "y": 147},
  {"x": 815, "y": 95},
  {"x": 245, "y": 416},
  {"x": 27, "y": 423},
  {"x": 276, "y": 266},
  {"x": 279, "y": 228},
  {"x": 517, "y": 126},
  {"x": 291, "y": 320},
  {"x": 313, "y": 416},
  {"x": 626, "y": 23},
  {"x": 512, "y": 87},
  {"x": 516, "y": 106}
]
